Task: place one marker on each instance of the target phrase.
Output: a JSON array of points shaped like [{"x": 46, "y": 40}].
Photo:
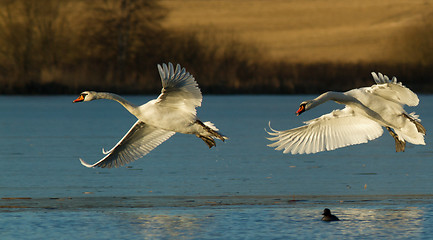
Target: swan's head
[
  {"x": 86, "y": 96},
  {"x": 304, "y": 106}
]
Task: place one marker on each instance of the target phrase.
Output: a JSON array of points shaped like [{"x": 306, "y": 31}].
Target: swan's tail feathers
[
  {"x": 415, "y": 120},
  {"x": 400, "y": 144},
  {"x": 210, "y": 132},
  {"x": 86, "y": 164}
]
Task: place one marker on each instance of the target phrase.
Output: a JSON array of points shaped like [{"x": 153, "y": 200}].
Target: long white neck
[
  {"x": 111, "y": 96},
  {"x": 334, "y": 96}
]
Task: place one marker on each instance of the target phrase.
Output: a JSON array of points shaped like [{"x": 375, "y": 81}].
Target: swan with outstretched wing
[
  {"x": 159, "y": 119},
  {"x": 367, "y": 110}
]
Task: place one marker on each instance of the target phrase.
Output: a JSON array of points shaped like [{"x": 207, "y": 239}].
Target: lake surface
[{"x": 241, "y": 189}]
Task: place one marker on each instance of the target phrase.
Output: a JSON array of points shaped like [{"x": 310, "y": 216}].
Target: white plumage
[
  {"x": 159, "y": 119},
  {"x": 367, "y": 111}
]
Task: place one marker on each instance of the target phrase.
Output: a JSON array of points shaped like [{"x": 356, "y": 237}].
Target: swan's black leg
[{"x": 399, "y": 145}]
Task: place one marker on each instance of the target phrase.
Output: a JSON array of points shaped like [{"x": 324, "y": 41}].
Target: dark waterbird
[{"x": 327, "y": 216}]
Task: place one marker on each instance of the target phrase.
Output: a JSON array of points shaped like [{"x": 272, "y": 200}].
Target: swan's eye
[{"x": 83, "y": 95}]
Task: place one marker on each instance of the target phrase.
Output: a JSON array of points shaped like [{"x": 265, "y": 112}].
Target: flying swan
[
  {"x": 367, "y": 110},
  {"x": 173, "y": 111}
]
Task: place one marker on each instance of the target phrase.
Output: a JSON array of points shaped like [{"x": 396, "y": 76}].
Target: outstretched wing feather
[
  {"x": 138, "y": 141},
  {"x": 337, "y": 129}
]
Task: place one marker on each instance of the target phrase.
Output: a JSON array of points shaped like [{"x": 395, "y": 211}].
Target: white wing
[
  {"x": 393, "y": 90},
  {"x": 337, "y": 129},
  {"x": 179, "y": 90},
  {"x": 138, "y": 141}
]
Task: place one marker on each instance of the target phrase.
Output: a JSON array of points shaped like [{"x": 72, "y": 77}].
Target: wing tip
[
  {"x": 167, "y": 71},
  {"x": 273, "y": 131},
  {"x": 86, "y": 164},
  {"x": 380, "y": 78},
  {"x": 161, "y": 71},
  {"x": 376, "y": 77}
]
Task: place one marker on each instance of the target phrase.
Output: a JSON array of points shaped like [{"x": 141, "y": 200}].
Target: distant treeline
[{"x": 59, "y": 47}]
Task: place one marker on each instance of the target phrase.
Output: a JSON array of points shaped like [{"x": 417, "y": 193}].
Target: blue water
[{"x": 241, "y": 189}]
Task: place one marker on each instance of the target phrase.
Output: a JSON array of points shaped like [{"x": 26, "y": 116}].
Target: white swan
[
  {"x": 367, "y": 110},
  {"x": 159, "y": 119}
]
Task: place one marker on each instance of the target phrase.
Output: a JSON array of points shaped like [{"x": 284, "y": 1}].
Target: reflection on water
[
  {"x": 276, "y": 222},
  {"x": 168, "y": 225},
  {"x": 404, "y": 223}
]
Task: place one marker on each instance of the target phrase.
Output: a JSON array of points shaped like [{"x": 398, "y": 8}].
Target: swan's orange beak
[
  {"x": 79, "y": 99},
  {"x": 300, "y": 110}
]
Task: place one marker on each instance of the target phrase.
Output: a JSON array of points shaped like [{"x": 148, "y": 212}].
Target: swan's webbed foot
[
  {"x": 399, "y": 144},
  {"x": 208, "y": 140},
  {"x": 211, "y": 131},
  {"x": 417, "y": 123}
]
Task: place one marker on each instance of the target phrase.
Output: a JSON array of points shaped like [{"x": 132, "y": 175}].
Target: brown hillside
[{"x": 310, "y": 31}]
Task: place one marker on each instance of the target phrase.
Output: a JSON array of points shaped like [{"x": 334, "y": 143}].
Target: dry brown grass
[
  {"x": 242, "y": 46},
  {"x": 309, "y": 31}
]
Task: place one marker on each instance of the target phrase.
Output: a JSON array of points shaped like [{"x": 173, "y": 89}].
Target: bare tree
[
  {"x": 118, "y": 30},
  {"x": 30, "y": 38}
]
